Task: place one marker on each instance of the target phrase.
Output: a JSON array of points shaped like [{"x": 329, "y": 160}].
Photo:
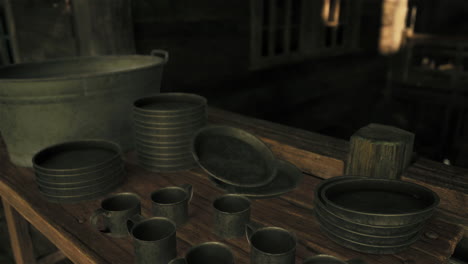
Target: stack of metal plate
[
  {"x": 370, "y": 215},
  {"x": 78, "y": 170},
  {"x": 164, "y": 126}
]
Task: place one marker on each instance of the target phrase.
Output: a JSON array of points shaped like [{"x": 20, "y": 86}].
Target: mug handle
[
  {"x": 189, "y": 189},
  {"x": 178, "y": 261},
  {"x": 95, "y": 217},
  {"x": 250, "y": 228},
  {"x": 161, "y": 53},
  {"x": 132, "y": 221}
]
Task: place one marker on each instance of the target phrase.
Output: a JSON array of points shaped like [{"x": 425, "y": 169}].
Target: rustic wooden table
[{"x": 68, "y": 227}]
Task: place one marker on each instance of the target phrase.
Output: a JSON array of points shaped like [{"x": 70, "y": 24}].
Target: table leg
[{"x": 20, "y": 239}]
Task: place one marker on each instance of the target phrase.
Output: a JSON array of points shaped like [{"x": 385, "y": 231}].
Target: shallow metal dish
[
  {"x": 286, "y": 180},
  {"x": 366, "y": 238},
  {"x": 367, "y": 248},
  {"x": 83, "y": 190},
  {"x": 56, "y": 182},
  {"x": 149, "y": 130},
  {"x": 80, "y": 198},
  {"x": 358, "y": 227},
  {"x": 234, "y": 156},
  {"x": 169, "y": 104},
  {"x": 76, "y": 157},
  {"x": 380, "y": 201}
]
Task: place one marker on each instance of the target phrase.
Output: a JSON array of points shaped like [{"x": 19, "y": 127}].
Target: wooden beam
[
  {"x": 18, "y": 228},
  {"x": 52, "y": 258}
]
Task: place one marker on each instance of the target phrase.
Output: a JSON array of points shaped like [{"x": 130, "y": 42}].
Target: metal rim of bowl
[
  {"x": 435, "y": 197},
  {"x": 160, "y": 135},
  {"x": 369, "y": 248},
  {"x": 272, "y": 160},
  {"x": 162, "y": 154},
  {"x": 114, "y": 163},
  {"x": 190, "y": 127},
  {"x": 155, "y": 144},
  {"x": 80, "y": 198},
  {"x": 189, "y": 157},
  {"x": 151, "y": 123},
  {"x": 409, "y": 235},
  {"x": 182, "y": 114},
  {"x": 109, "y": 145},
  {"x": 109, "y": 181},
  {"x": 321, "y": 204},
  {"x": 198, "y": 100},
  {"x": 178, "y": 167},
  {"x": 65, "y": 183}
]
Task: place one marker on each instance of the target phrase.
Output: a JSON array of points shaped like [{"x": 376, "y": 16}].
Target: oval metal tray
[
  {"x": 234, "y": 156},
  {"x": 380, "y": 201},
  {"x": 286, "y": 180}
]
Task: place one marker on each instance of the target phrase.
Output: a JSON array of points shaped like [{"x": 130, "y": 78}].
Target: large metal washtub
[{"x": 46, "y": 103}]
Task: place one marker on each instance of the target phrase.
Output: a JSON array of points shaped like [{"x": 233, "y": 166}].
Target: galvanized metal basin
[{"x": 45, "y": 103}]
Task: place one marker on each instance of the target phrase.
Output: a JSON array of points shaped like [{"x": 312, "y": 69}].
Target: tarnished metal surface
[
  {"x": 234, "y": 156},
  {"x": 287, "y": 179},
  {"x": 49, "y": 102}
]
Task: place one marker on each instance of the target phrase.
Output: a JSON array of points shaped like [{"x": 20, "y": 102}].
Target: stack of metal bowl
[
  {"x": 164, "y": 126},
  {"x": 78, "y": 170},
  {"x": 376, "y": 216}
]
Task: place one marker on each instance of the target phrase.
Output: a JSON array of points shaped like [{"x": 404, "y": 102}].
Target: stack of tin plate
[
  {"x": 164, "y": 126},
  {"x": 370, "y": 215},
  {"x": 78, "y": 170}
]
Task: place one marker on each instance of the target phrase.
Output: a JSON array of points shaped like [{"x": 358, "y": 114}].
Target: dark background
[{"x": 330, "y": 90}]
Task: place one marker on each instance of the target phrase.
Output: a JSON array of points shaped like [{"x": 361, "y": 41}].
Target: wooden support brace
[
  {"x": 380, "y": 151},
  {"x": 18, "y": 228}
]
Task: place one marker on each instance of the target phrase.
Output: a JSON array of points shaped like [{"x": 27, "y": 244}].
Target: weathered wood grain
[
  {"x": 380, "y": 151},
  {"x": 325, "y": 157}
]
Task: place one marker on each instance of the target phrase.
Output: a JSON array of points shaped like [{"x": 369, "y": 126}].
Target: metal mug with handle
[
  {"x": 172, "y": 202},
  {"x": 231, "y": 214},
  {"x": 208, "y": 252},
  {"x": 270, "y": 245},
  {"x": 114, "y": 212},
  {"x": 327, "y": 259},
  {"x": 154, "y": 239}
]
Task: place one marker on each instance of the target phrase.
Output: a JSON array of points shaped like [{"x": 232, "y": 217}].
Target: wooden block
[
  {"x": 380, "y": 151},
  {"x": 18, "y": 228}
]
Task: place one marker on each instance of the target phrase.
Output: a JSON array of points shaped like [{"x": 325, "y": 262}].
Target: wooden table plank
[{"x": 18, "y": 229}]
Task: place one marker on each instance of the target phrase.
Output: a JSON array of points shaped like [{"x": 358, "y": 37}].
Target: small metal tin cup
[
  {"x": 327, "y": 259},
  {"x": 172, "y": 202},
  {"x": 114, "y": 211},
  {"x": 154, "y": 239},
  {"x": 232, "y": 213},
  {"x": 270, "y": 245},
  {"x": 208, "y": 252}
]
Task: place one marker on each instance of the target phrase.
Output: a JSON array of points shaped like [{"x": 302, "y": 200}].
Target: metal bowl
[
  {"x": 367, "y": 248},
  {"x": 60, "y": 181},
  {"x": 84, "y": 190},
  {"x": 167, "y": 168},
  {"x": 142, "y": 129},
  {"x": 379, "y": 202},
  {"x": 165, "y": 139},
  {"x": 388, "y": 240},
  {"x": 320, "y": 207},
  {"x": 76, "y": 157}
]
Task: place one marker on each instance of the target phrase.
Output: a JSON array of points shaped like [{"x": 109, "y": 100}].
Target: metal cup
[
  {"x": 270, "y": 245},
  {"x": 327, "y": 259},
  {"x": 232, "y": 213},
  {"x": 209, "y": 252},
  {"x": 154, "y": 239},
  {"x": 172, "y": 202},
  {"x": 114, "y": 211}
]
